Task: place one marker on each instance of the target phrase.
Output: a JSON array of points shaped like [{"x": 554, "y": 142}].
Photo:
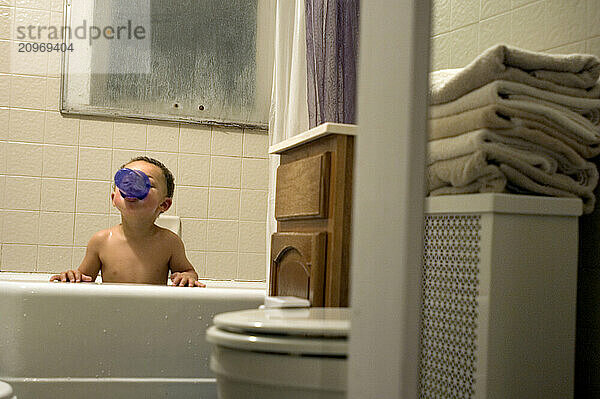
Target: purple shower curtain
[{"x": 331, "y": 51}]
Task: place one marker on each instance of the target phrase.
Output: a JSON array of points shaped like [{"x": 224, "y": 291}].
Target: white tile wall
[
  {"x": 4, "y": 90},
  {"x": 59, "y": 161},
  {"x": 252, "y": 235},
  {"x": 192, "y": 201},
  {"x": 5, "y": 56},
  {"x": 22, "y": 193},
  {"x": 225, "y": 172},
  {"x": 195, "y": 139},
  {"x": 163, "y": 137},
  {"x": 226, "y": 142},
  {"x": 78, "y": 255},
  {"x": 255, "y": 174},
  {"x": 222, "y": 235},
  {"x": 193, "y": 233},
  {"x": 194, "y": 170},
  {"x": 58, "y": 195},
  {"x": 464, "y": 45},
  {"x": 495, "y": 29},
  {"x": 489, "y": 8},
  {"x": 223, "y": 203},
  {"x": 441, "y": 16},
  {"x": 20, "y": 227},
  {"x": 61, "y": 130},
  {"x": 55, "y": 5},
  {"x": 130, "y": 135},
  {"x": 19, "y": 256},
  {"x": 94, "y": 163},
  {"x": 95, "y": 132},
  {"x": 7, "y": 15},
  {"x": 527, "y": 27},
  {"x": 255, "y": 144},
  {"x": 54, "y": 259},
  {"x": 26, "y": 125},
  {"x": 37, "y": 4},
  {"x": 198, "y": 259},
  {"x": 56, "y": 228},
  {"x": 222, "y": 265},
  {"x": 461, "y": 29},
  {"x": 253, "y": 205},
  {"x": 23, "y": 159},
  {"x": 120, "y": 157},
  {"x": 28, "y": 91},
  {"x": 250, "y": 265},
  {"x": 86, "y": 225},
  {"x": 93, "y": 196},
  {"x": 4, "y": 112},
  {"x": 464, "y": 12}
]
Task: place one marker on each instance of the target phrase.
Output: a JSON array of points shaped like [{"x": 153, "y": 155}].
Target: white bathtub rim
[
  {"x": 45, "y": 277},
  {"x": 103, "y": 387},
  {"x": 18, "y": 287}
]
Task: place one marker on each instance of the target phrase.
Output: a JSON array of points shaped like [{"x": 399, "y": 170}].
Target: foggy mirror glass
[{"x": 205, "y": 61}]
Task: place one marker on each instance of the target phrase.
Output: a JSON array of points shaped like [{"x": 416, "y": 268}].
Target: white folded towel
[
  {"x": 464, "y": 175},
  {"x": 504, "y": 91},
  {"x": 477, "y": 161},
  {"x": 584, "y": 140},
  {"x": 571, "y": 123},
  {"x": 573, "y": 74},
  {"x": 485, "y": 177},
  {"x": 496, "y": 147},
  {"x": 474, "y": 174}
]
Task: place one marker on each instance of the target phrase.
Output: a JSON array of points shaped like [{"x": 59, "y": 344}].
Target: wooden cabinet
[
  {"x": 310, "y": 253},
  {"x": 298, "y": 265}
]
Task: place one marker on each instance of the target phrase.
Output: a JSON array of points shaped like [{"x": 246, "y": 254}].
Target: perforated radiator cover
[{"x": 449, "y": 306}]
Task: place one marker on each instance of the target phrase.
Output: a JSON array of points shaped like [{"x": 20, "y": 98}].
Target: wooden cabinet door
[
  {"x": 298, "y": 265},
  {"x": 302, "y": 188}
]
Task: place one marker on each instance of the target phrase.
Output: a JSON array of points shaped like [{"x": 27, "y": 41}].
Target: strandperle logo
[{"x": 92, "y": 32}]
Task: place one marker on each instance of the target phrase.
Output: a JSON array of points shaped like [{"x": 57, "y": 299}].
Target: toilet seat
[
  {"x": 277, "y": 344},
  {"x": 307, "y": 331},
  {"x": 6, "y": 391}
]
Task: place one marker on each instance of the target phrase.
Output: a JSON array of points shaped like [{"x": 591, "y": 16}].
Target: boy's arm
[
  {"x": 91, "y": 264},
  {"x": 182, "y": 271}
]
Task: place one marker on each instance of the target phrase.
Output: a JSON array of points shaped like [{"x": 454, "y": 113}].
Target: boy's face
[{"x": 156, "y": 201}]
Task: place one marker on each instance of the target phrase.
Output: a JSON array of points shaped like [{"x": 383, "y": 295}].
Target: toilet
[
  {"x": 281, "y": 353},
  {"x": 6, "y": 391}
]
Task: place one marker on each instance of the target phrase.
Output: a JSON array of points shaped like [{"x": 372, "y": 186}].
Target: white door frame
[{"x": 388, "y": 198}]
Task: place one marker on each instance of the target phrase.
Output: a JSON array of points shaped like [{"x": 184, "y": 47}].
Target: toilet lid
[
  {"x": 305, "y": 322},
  {"x": 6, "y": 391},
  {"x": 277, "y": 343},
  {"x": 309, "y": 331}
]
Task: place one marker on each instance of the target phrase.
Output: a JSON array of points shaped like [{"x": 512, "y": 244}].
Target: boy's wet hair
[{"x": 166, "y": 172}]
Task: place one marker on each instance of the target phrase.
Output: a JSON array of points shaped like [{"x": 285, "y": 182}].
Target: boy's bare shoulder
[
  {"x": 170, "y": 240},
  {"x": 100, "y": 237},
  {"x": 168, "y": 236}
]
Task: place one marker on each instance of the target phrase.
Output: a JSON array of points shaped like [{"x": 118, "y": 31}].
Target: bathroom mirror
[{"x": 194, "y": 61}]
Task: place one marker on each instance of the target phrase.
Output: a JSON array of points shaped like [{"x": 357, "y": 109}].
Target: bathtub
[{"x": 64, "y": 340}]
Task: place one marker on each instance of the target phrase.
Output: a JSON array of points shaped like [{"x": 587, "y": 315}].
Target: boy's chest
[{"x": 144, "y": 262}]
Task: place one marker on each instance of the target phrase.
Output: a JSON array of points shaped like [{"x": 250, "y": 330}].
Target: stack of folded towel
[{"x": 516, "y": 121}]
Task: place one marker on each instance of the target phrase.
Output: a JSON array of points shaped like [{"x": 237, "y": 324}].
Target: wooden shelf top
[{"x": 313, "y": 134}]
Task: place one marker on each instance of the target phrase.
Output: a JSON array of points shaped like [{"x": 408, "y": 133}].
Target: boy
[{"x": 138, "y": 251}]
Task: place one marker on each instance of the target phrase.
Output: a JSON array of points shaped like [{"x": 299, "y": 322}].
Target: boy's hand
[
  {"x": 185, "y": 280},
  {"x": 74, "y": 276}
]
